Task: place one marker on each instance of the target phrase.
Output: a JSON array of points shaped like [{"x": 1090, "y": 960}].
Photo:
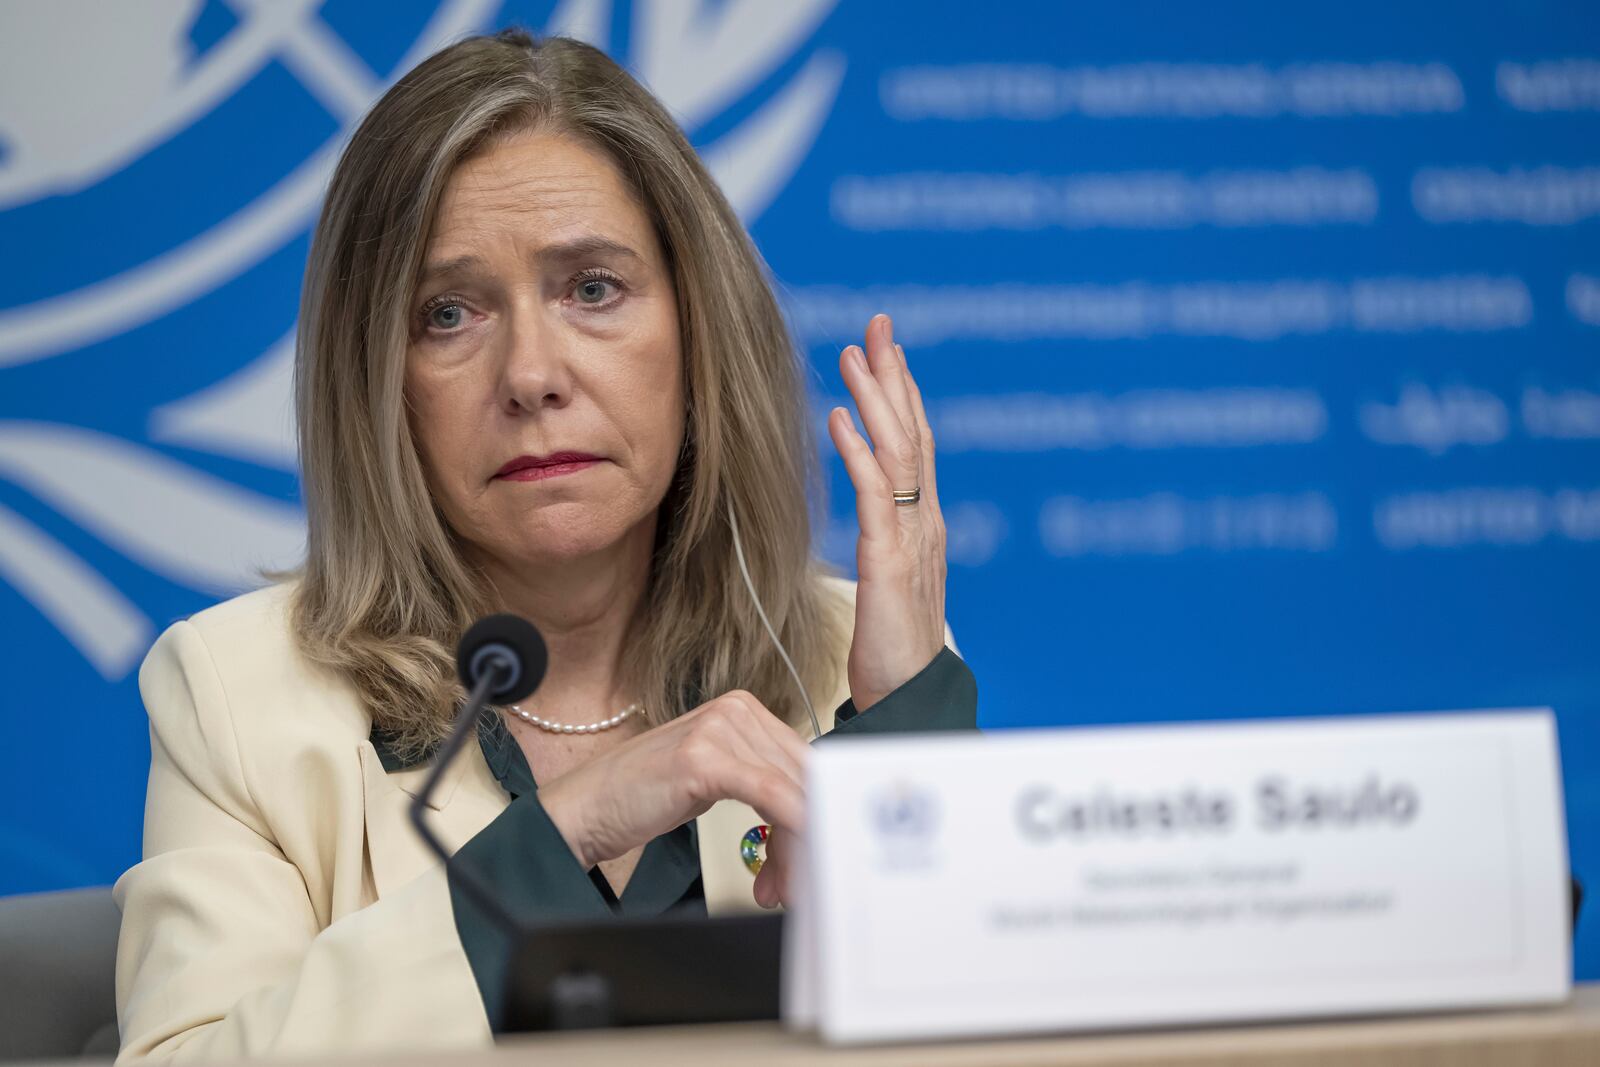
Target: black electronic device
[{"x": 645, "y": 972}]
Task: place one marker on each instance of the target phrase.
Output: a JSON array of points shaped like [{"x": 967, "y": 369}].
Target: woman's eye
[
  {"x": 446, "y": 316},
  {"x": 595, "y": 291}
]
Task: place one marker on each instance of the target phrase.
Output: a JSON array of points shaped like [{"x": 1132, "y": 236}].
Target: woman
[{"x": 539, "y": 370}]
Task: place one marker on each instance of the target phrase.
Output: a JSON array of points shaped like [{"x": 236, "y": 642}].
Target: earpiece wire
[{"x": 744, "y": 571}]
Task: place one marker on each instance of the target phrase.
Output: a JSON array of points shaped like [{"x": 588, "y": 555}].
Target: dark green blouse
[{"x": 526, "y": 862}]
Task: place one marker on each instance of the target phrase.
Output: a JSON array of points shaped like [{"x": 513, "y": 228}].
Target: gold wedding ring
[{"x": 905, "y": 498}]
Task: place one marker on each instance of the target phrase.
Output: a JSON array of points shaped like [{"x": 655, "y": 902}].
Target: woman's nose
[{"x": 535, "y": 368}]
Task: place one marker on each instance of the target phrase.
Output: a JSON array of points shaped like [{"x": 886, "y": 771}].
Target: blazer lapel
[{"x": 467, "y": 800}]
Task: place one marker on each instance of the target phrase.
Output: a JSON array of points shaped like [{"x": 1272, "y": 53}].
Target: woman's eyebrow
[
  {"x": 559, "y": 252},
  {"x": 448, "y": 267},
  {"x": 583, "y": 247}
]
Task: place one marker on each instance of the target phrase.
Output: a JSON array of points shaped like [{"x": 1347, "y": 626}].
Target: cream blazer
[{"x": 284, "y": 905}]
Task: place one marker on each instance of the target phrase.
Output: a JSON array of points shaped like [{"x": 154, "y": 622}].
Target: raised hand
[{"x": 900, "y": 560}]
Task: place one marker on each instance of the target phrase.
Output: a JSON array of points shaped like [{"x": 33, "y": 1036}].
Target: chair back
[{"x": 58, "y": 957}]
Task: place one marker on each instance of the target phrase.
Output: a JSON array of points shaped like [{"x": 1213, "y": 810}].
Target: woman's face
[{"x": 545, "y": 324}]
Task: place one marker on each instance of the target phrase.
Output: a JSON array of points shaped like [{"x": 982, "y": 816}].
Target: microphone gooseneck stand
[{"x": 500, "y": 657}]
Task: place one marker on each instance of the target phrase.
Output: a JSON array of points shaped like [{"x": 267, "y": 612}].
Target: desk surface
[
  {"x": 1569, "y": 1034},
  {"x": 1551, "y": 1037},
  {"x": 1565, "y": 1036}
]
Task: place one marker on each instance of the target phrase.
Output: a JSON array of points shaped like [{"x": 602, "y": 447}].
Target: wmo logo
[{"x": 161, "y": 165}]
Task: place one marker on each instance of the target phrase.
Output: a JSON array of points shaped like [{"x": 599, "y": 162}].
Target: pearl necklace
[{"x": 572, "y": 728}]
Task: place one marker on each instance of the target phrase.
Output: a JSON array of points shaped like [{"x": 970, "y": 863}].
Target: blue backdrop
[{"x": 1260, "y": 340}]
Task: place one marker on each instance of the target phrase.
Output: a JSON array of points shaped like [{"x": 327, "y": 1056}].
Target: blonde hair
[{"x": 384, "y": 592}]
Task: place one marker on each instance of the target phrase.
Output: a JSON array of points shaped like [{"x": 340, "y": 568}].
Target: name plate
[{"x": 1065, "y": 879}]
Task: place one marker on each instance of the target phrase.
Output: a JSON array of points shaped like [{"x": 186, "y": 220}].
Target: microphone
[
  {"x": 500, "y": 659},
  {"x": 508, "y": 644}
]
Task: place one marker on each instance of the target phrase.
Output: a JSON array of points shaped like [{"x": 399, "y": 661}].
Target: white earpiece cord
[{"x": 744, "y": 570}]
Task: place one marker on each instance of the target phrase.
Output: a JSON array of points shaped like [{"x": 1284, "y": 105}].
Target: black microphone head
[{"x": 510, "y": 643}]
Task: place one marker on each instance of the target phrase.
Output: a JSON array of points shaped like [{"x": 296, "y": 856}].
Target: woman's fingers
[
  {"x": 874, "y": 499},
  {"x": 781, "y": 735},
  {"x": 768, "y": 889},
  {"x": 930, "y": 481},
  {"x": 889, "y": 371},
  {"x": 730, "y": 748},
  {"x": 778, "y": 800},
  {"x": 765, "y": 889},
  {"x": 734, "y": 744},
  {"x": 772, "y": 881},
  {"x": 893, "y": 448},
  {"x": 761, "y": 737},
  {"x": 760, "y": 762}
]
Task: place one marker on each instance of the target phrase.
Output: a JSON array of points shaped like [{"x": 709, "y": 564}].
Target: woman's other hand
[
  {"x": 900, "y": 561},
  {"x": 730, "y": 748}
]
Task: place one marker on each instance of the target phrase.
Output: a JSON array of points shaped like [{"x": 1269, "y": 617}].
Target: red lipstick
[{"x": 535, "y": 468}]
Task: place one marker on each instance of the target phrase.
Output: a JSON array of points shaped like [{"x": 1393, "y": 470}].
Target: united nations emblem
[{"x": 155, "y": 218}]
